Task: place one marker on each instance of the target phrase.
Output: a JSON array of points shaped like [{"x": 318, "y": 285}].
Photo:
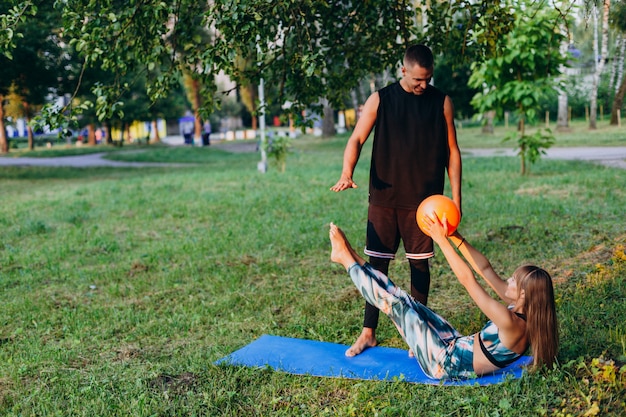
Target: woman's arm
[
  {"x": 481, "y": 265},
  {"x": 492, "y": 308}
]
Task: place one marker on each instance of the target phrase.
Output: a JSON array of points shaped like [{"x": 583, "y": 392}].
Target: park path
[
  {"x": 612, "y": 156},
  {"x": 78, "y": 161}
]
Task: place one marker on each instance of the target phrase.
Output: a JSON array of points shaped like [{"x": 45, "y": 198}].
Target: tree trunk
[
  {"x": 156, "y": 138},
  {"x": 562, "y": 117},
  {"x": 328, "y": 123},
  {"x": 107, "y": 133},
  {"x": 355, "y": 105},
  {"x": 91, "y": 135},
  {"x": 562, "y": 121},
  {"x": 620, "y": 65},
  {"x": 249, "y": 95},
  {"x": 522, "y": 129},
  {"x": 613, "y": 76},
  {"x": 488, "y": 125},
  {"x": 617, "y": 102},
  {"x": 196, "y": 100},
  {"x": 4, "y": 144},
  {"x": 29, "y": 130},
  {"x": 593, "y": 106}
]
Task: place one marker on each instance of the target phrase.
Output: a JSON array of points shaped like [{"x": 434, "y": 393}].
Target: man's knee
[{"x": 421, "y": 266}]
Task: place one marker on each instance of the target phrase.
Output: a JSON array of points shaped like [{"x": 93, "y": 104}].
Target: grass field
[{"x": 121, "y": 286}]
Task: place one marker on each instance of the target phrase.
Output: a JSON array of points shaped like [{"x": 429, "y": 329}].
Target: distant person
[
  {"x": 206, "y": 133},
  {"x": 186, "y": 128},
  {"x": 414, "y": 144},
  {"x": 528, "y": 318}
]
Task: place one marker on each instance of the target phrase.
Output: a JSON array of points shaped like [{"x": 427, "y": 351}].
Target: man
[{"x": 414, "y": 144}]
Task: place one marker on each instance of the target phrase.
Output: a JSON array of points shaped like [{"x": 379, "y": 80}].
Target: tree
[
  {"x": 562, "y": 120},
  {"x": 6, "y": 77},
  {"x": 310, "y": 51},
  {"x": 11, "y": 16},
  {"x": 35, "y": 62},
  {"x": 452, "y": 79},
  {"x": 600, "y": 61},
  {"x": 521, "y": 75},
  {"x": 170, "y": 107},
  {"x": 30, "y": 66},
  {"x": 187, "y": 32},
  {"x": 248, "y": 92},
  {"x": 618, "y": 21}
]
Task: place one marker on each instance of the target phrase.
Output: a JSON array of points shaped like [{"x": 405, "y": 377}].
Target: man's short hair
[{"x": 420, "y": 55}]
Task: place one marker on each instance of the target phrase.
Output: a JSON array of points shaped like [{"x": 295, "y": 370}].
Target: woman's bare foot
[
  {"x": 366, "y": 339},
  {"x": 342, "y": 253}
]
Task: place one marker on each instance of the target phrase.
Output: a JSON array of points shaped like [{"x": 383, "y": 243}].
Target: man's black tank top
[{"x": 410, "y": 149}]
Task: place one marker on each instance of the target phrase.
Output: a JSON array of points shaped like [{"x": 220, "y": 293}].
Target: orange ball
[{"x": 439, "y": 204}]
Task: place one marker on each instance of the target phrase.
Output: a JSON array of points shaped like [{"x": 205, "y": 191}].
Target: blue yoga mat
[{"x": 323, "y": 359}]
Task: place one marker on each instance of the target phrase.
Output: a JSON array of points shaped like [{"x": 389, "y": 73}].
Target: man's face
[{"x": 416, "y": 78}]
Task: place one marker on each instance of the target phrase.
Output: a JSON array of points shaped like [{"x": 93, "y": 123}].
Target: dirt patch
[
  {"x": 599, "y": 254},
  {"x": 175, "y": 384}
]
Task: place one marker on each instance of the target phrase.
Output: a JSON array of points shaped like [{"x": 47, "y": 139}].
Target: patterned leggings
[{"x": 439, "y": 348}]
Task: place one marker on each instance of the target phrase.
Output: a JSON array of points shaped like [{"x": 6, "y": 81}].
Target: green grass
[
  {"x": 578, "y": 134},
  {"x": 120, "y": 287}
]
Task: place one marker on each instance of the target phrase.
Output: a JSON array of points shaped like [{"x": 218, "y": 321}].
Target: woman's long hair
[{"x": 540, "y": 309}]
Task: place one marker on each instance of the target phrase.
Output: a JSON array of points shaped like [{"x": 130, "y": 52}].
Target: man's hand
[{"x": 343, "y": 184}]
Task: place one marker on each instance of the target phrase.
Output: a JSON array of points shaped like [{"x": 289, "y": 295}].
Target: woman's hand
[{"x": 436, "y": 228}]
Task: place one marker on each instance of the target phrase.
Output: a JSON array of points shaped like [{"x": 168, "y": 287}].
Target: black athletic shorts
[{"x": 386, "y": 226}]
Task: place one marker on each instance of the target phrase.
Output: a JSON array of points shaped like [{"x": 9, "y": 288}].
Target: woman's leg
[
  {"x": 345, "y": 255},
  {"x": 426, "y": 333}
]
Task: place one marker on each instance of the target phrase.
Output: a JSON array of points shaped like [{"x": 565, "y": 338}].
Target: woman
[{"x": 528, "y": 318}]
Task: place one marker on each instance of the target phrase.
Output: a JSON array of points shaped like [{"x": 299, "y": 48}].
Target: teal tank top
[{"x": 492, "y": 347}]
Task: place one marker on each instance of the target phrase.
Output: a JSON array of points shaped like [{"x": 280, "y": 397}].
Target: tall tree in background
[
  {"x": 36, "y": 62},
  {"x": 12, "y": 19},
  {"x": 187, "y": 36},
  {"x": 618, "y": 21},
  {"x": 600, "y": 61},
  {"x": 522, "y": 74},
  {"x": 316, "y": 49},
  {"x": 562, "y": 119},
  {"x": 6, "y": 79},
  {"x": 249, "y": 92}
]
